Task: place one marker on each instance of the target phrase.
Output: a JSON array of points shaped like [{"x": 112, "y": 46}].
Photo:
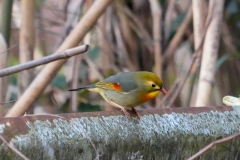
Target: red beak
[{"x": 163, "y": 90}]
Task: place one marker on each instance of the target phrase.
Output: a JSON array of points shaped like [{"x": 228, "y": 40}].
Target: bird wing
[
  {"x": 109, "y": 86},
  {"x": 122, "y": 82}
]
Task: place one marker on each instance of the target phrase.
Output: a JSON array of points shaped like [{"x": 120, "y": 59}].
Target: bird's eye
[{"x": 153, "y": 85}]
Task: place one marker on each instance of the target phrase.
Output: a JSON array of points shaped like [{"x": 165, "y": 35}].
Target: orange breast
[{"x": 148, "y": 96}]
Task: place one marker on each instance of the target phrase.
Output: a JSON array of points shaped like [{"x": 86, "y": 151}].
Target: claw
[{"x": 135, "y": 111}]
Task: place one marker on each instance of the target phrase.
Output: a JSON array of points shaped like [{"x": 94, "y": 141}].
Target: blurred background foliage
[{"x": 122, "y": 40}]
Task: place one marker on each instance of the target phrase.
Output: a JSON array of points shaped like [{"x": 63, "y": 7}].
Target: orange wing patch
[
  {"x": 109, "y": 86},
  {"x": 117, "y": 86}
]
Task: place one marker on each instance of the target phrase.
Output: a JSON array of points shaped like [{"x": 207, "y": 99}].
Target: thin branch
[
  {"x": 172, "y": 90},
  {"x": 139, "y": 28},
  {"x": 12, "y": 148},
  {"x": 75, "y": 77},
  {"x": 168, "y": 19},
  {"x": 62, "y": 55},
  {"x": 208, "y": 147},
  {"x": 121, "y": 46},
  {"x": 50, "y": 8},
  {"x": 2, "y": 103},
  {"x": 178, "y": 36},
  {"x": 9, "y": 49},
  {"x": 75, "y": 6}
]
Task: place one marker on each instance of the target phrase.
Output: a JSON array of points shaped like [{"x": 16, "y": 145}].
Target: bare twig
[
  {"x": 178, "y": 36},
  {"x": 168, "y": 19},
  {"x": 2, "y": 103},
  {"x": 75, "y": 74},
  {"x": 170, "y": 92},
  {"x": 73, "y": 6},
  {"x": 62, "y": 55},
  {"x": 51, "y": 8},
  {"x": 123, "y": 56},
  {"x": 93, "y": 67},
  {"x": 76, "y": 7},
  {"x": 12, "y": 148},
  {"x": 140, "y": 29},
  {"x": 9, "y": 49},
  {"x": 104, "y": 42},
  {"x": 127, "y": 35},
  {"x": 205, "y": 149}
]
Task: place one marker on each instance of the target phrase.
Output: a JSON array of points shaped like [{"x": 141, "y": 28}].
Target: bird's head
[{"x": 150, "y": 85}]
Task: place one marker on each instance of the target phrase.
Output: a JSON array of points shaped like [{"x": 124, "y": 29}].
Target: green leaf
[
  {"x": 93, "y": 53},
  {"x": 221, "y": 60},
  {"x": 60, "y": 82}
]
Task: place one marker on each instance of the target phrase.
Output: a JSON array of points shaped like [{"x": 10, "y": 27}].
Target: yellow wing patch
[{"x": 109, "y": 86}]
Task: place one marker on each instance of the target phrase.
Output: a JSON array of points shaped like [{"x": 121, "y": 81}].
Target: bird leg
[
  {"x": 121, "y": 107},
  {"x": 135, "y": 111}
]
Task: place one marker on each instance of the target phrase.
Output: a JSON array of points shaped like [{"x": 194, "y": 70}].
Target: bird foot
[
  {"x": 119, "y": 106},
  {"x": 125, "y": 112},
  {"x": 135, "y": 111}
]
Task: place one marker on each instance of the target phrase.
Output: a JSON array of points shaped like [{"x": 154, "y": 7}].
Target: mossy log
[{"x": 170, "y": 133}]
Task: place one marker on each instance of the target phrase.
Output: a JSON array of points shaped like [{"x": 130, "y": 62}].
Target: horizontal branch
[{"x": 53, "y": 57}]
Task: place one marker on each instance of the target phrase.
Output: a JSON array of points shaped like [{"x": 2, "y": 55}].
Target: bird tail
[{"x": 85, "y": 87}]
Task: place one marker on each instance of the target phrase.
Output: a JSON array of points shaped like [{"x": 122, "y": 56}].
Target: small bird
[{"x": 127, "y": 90}]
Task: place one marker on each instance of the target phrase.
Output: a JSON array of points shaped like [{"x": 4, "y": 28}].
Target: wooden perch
[{"x": 169, "y": 133}]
